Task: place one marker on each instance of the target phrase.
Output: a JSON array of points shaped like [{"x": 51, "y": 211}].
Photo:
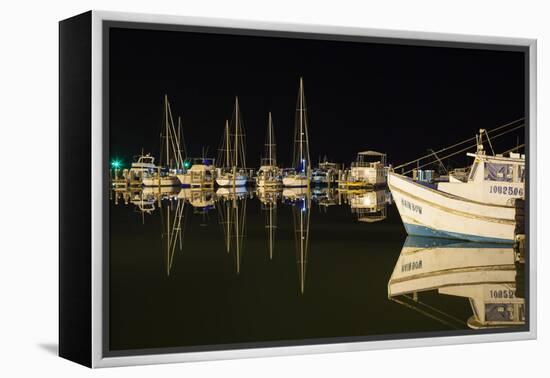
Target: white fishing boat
[
  {"x": 368, "y": 170},
  {"x": 478, "y": 209},
  {"x": 483, "y": 273},
  {"x": 232, "y": 153},
  {"x": 300, "y": 175}
]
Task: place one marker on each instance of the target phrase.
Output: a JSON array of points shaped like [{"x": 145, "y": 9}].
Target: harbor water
[{"x": 204, "y": 269}]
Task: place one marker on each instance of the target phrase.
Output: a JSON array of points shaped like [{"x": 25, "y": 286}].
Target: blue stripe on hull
[{"x": 413, "y": 229}]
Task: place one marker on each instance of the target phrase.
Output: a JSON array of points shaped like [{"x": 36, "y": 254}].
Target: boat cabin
[
  {"x": 143, "y": 167},
  {"x": 370, "y": 167},
  {"x": 494, "y": 179}
]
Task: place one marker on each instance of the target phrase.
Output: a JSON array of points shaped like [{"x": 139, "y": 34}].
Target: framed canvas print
[{"x": 233, "y": 189}]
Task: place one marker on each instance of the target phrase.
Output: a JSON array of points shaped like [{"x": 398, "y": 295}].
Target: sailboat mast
[
  {"x": 179, "y": 143},
  {"x": 227, "y": 152},
  {"x": 166, "y": 130},
  {"x": 301, "y": 102},
  {"x": 270, "y": 141},
  {"x": 237, "y": 240},
  {"x": 302, "y": 273},
  {"x": 168, "y": 240},
  {"x": 236, "y": 131}
]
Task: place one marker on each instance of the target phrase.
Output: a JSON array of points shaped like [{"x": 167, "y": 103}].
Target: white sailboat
[
  {"x": 481, "y": 208},
  {"x": 483, "y": 273},
  {"x": 300, "y": 175},
  {"x": 232, "y": 173},
  {"x": 269, "y": 175}
]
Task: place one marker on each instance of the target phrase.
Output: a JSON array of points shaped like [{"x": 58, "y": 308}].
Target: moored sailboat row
[{"x": 175, "y": 168}]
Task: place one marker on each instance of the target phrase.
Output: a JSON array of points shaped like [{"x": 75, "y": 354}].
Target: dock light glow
[{"x": 116, "y": 164}]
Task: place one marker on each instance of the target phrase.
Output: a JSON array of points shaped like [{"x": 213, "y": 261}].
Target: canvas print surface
[{"x": 287, "y": 190}]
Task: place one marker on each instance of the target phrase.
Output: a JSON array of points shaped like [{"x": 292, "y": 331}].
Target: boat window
[
  {"x": 499, "y": 312},
  {"x": 499, "y": 172}
]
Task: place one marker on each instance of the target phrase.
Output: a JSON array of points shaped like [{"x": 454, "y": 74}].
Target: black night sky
[{"x": 396, "y": 99}]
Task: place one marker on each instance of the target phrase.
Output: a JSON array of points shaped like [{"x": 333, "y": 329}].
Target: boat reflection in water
[
  {"x": 173, "y": 221},
  {"x": 268, "y": 198},
  {"x": 324, "y": 197},
  {"x": 202, "y": 201},
  {"x": 230, "y": 204},
  {"x": 368, "y": 205},
  {"x": 301, "y": 211},
  {"x": 483, "y": 273},
  {"x": 231, "y": 208}
]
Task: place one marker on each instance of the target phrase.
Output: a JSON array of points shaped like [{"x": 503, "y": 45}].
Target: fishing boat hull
[
  {"x": 426, "y": 211},
  {"x": 295, "y": 181},
  {"x": 162, "y": 181}
]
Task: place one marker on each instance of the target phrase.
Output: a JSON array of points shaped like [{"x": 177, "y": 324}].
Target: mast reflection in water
[{"x": 319, "y": 263}]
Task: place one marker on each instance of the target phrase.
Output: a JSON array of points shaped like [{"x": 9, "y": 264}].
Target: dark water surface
[{"x": 331, "y": 282}]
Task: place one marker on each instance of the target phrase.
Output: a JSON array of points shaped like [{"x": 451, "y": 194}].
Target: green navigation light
[{"x": 116, "y": 164}]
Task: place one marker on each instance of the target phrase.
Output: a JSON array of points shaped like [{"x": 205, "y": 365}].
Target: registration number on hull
[{"x": 506, "y": 190}]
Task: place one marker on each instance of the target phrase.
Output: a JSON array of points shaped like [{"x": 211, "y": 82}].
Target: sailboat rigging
[
  {"x": 269, "y": 175},
  {"x": 232, "y": 172},
  {"x": 300, "y": 175}
]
